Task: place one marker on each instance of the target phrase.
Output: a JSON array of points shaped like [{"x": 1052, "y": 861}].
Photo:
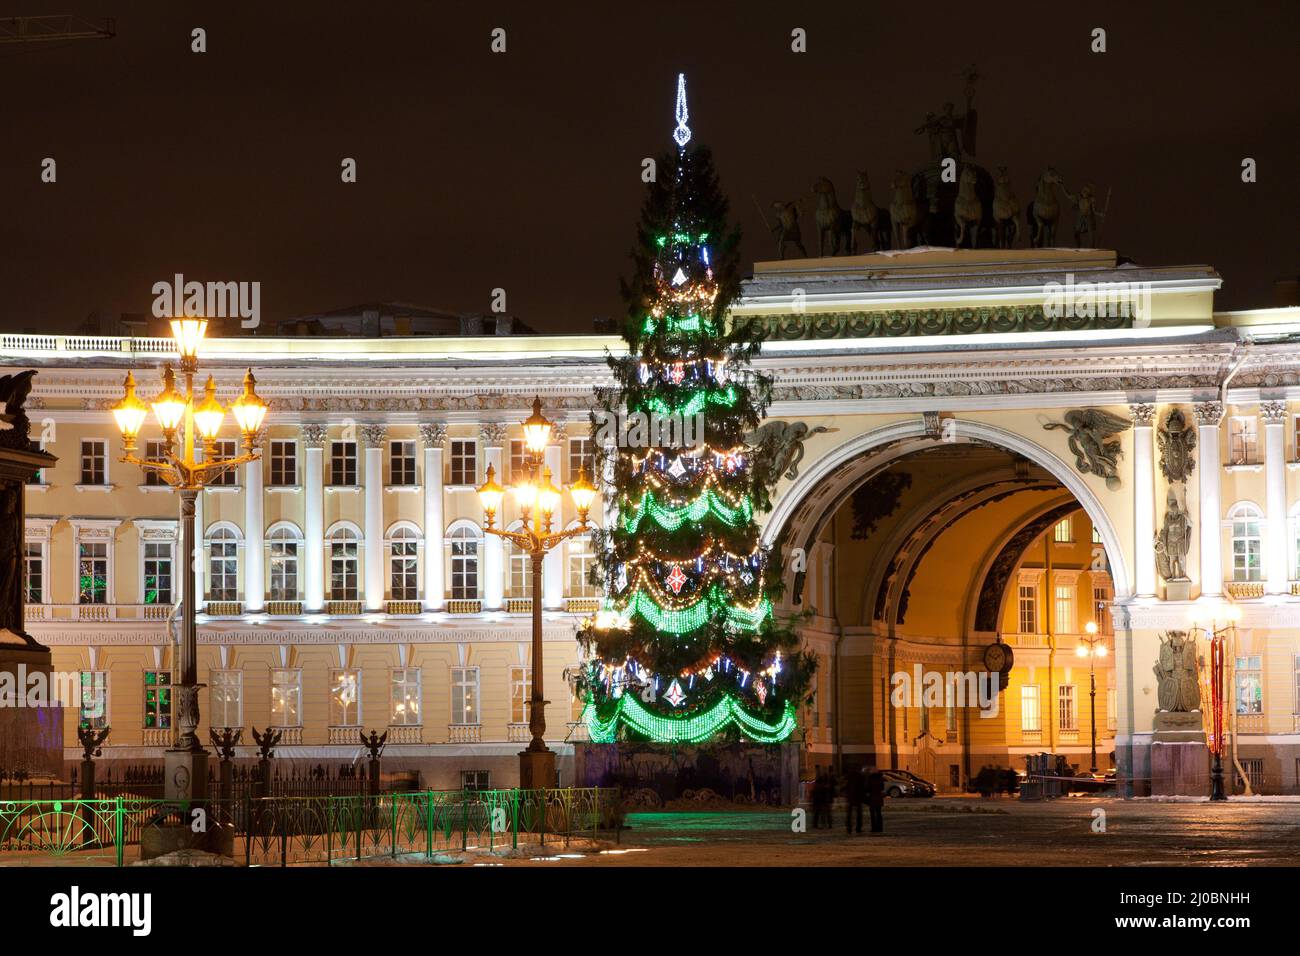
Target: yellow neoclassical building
[{"x": 977, "y": 462}]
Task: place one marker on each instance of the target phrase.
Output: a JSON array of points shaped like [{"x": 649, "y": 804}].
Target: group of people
[{"x": 859, "y": 786}]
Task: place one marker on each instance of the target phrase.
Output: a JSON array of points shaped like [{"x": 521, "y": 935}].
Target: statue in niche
[
  {"x": 1173, "y": 541},
  {"x": 1177, "y": 441},
  {"x": 1178, "y": 688}
]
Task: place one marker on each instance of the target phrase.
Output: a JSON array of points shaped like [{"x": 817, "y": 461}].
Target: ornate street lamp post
[
  {"x": 538, "y": 499},
  {"x": 1092, "y": 647},
  {"x": 188, "y": 422},
  {"x": 1207, "y": 619}
]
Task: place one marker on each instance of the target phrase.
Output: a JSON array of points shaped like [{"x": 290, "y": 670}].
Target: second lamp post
[{"x": 538, "y": 500}]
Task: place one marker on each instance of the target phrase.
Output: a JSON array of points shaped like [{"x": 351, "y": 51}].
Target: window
[
  {"x": 1067, "y": 716},
  {"x": 223, "y": 566},
  {"x": 157, "y": 572},
  {"x": 343, "y": 464},
  {"x": 284, "y": 564},
  {"x": 950, "y": 721},
  {"x": 157, "y": 700},
  {"x": 401, "y": 463},
  {"x": 464, "y": 695},
  {"x": 1031, "y": 718},
  {"x": 405, "y": 697},
  {"x": 1247, "y": 545},
  {"x": 1064, "y": 608},
  {"x": 344, "y": 566},
  {"x": 404, "y": 574},
  {"x": 464, "y": 461},
  {"x": 1254, "y": 768},
  {"x": 518, "y": 460},
  {"x": 581, "y": 560},
  {"x": 521, "y": 694},
  {"x": 94, "y": 461},
  {"x": 92, "y": 572},
  {"x": 520, "y": 582},
  {"x": 345, "y": 698},
  {"x": 1250, "y": 686},
  {"x": 284, "y": 462},
  {"x": 1028, "y": 609},
  {"x": 1112, "y": 708},
  {"x": 1101, "y": 599},
  {"x": 581, "y": 458},
  {"x": 286, "y": 697},
  {"x": 33, "y": 572},
  {"x": 94, "y": 700},
  {"x": 154, "y": 451},
  {"x": 226, "y": 696},
  {"x": 1297, "y": 684},
  {"x": 225, "y": 448},
  {"x": 475, "y": 780},
  {"x": 464, "y": 564},
  {"x": 1243, "y": 441},
  {"x": 1096, "y": 535},
  {"x": 1064, "y": 532}
]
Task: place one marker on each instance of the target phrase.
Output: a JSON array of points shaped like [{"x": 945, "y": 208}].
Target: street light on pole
[
  {"x": 1207, "y": 618},
  {"x": 188, "y": 422},
  {"x": 1092, "y": 647},
  {"x": 538, "y": 500}
]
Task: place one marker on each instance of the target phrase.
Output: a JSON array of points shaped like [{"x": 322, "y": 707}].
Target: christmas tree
[{"x": 686, "y": 648}]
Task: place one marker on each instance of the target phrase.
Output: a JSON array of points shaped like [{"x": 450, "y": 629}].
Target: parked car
[{"x": 904, "y": 783}]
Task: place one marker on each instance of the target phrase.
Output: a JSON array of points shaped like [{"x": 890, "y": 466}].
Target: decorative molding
[
  {"x": 433, "y": 434},
  {"x": 314, "y": 434},
  {"x": 1143, "y": 413},
  {"x": 933, "y": 429},
  {"x": 1273, "y": 412},
  {"x": 291, "y": 633},
  {"x": 1208, "y": 413},
  {"x": 493, "y": 433},
  {"x": 373, "y": 434},
  {"x": 94, "y": 529},
  {"x": 156, "y": 529},
  {"x": 903, "y": 322}
]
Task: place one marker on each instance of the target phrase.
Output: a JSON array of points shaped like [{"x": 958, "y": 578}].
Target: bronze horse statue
[
  {"x": 1045, "y": 210},
  {"x": 1005, "y": 210},
  {"x": 869, "y": 218},
  {"x": 834, "y": 224}
]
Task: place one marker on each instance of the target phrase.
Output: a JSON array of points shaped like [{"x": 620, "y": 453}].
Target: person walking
[
  {"x": 875, "y": 786},
  {"x": 855, "y": 789}
]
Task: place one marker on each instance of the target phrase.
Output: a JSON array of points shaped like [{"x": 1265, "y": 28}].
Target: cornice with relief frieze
[{"x": 99, "y": 634}]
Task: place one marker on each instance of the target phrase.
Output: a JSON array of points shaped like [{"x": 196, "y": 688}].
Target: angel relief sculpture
[{"x": 1096, "y": 451}]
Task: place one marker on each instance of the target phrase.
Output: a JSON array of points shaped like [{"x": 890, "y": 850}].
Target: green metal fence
[{"x": 281, "y": 831}]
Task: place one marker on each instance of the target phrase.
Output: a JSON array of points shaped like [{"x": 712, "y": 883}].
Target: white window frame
[
  {"x": 579, "y": 548},
  {"x": 1063, "y": 531},
  {"x": 94, "y": 531},
  {"x": 519, "y": 576},
  {"x": 102, "y": 455},
  {"x": 456, "y": 459},
  {"x": 152, "y": 476},
  {"x": 400, "y": 684},
  {"x": 408, "y": 462},
  {"x": 1031, "y": 709},
  {"x": 336, "y": 675},
  {"x": 521, "y": 693},
  {"x": 294, "y": 688},
  {"x": 344, "y": 534},
  {"x": 1027, "y": 608},
  {"x": 223, "y": 533},
  {"x": 276, "y": 456},
  {"x": 519, "y": 459},
  {"x": 587, "y": 458},
  {"x": 220, "y": 679},
  {"x": 1067, "y": 707},
  {"x": 343, "y": 458},
  {"x": 99, "y": 689},
  {"x": 404, "y": 535},
  {"x": 280, "y": 535},
  {"x": 1243, "y": 440},
  {"x": 1241, "y": 671},
  {"x": 144, "y": 702},
  {"x": 39, "y": 558},
  {"x": 1241, "y": 518},
  {"x": 465, "y": 681},
  {"x": 225, "y": 448},
  {"x": 459, "y": 535}
]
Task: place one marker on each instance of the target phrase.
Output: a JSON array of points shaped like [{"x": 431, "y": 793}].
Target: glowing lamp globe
[
  {"x": 1091, "y": 627},
  {"x": 209, "y": 415},
  {"x": 525, "y": 494},
  {"x": 249, "y": 409},
  {"x": 1101, "y": 650},
  {"x": 490, "y": 494},
  {"x": 537, "y": 429},
  {"x": 169, "y": 406},
  {"x": 548, "y": 496},
  {"x": 583, "y": 492},
  {"x": 130, "y": 412},
  {"x": 1081, "y": 650},
  {"x": 188, "y": 333}
]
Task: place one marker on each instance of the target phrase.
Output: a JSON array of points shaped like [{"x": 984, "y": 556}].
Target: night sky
[{"x": 522, "y": 170}]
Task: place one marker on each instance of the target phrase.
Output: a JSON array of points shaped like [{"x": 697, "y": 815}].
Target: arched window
[
  {"x": 223, "y": 564},
  {"x": 519, "y": 580},
  {"x": 403, "y": 563},
  {"x": 345, "y": 577},
  {"x": 464, "y": 562},
  {"x": 582, "y": 558},
  {"x": 283, "y": 542},
  {"x": 1247, "y": 543}
]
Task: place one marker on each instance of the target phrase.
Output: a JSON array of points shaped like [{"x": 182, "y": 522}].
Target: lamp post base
[
  {"x": 185, "y": 776},
  {"x": 536, "y": 769},
  {"x": 1216, "y": 780}
]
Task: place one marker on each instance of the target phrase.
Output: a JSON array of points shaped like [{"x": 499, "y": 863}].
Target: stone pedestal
[
  {"x": 536, "y": 769},
  {"x": 1179, "y": 589},
  {"x": 31, "y": 711},
  {"x": 1180, "y": 758},
  {"x": 185, "y": 776}
]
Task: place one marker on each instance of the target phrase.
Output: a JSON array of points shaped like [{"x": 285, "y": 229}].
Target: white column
[
  {"x": 195, "y": 557},
  {"x": 1275, "y": 558},
  {"x": 254, "y": 580},
  {"x": 1144, "y": 502},
  {"x": 1208, "y": 415},
  {"x": 493, "y": 434},
  {"x": 374, "y": 437},
  {"x": 433, "y": 436},
  {"x": 313, "y": 518},
  {"x": 553, "y": 563}
]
